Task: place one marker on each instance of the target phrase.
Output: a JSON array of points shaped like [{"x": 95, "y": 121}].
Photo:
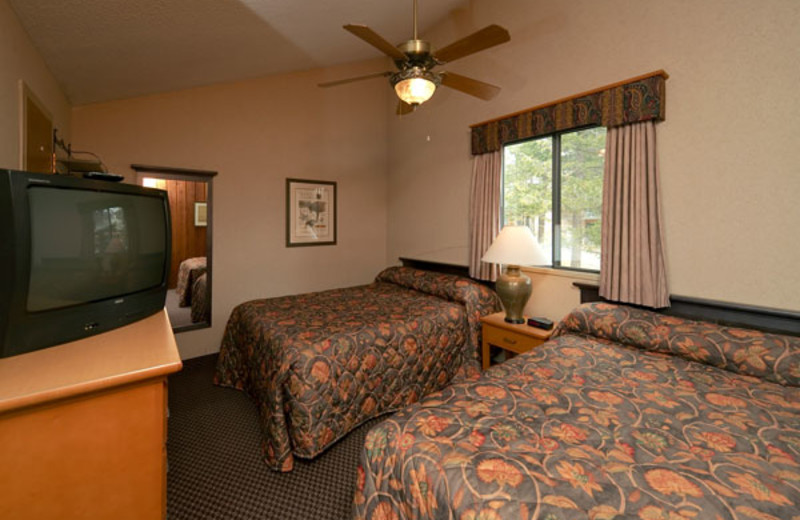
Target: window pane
[
  {"x": 110, "y": 230},
  {"x": 527, "y": 189},
  {"x": 582, "y": 156}
]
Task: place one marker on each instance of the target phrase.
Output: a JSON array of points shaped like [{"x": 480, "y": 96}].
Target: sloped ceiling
[{"x": 101, "y": 50}]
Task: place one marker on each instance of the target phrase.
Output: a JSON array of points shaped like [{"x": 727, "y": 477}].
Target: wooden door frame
[
  {"x": 25, "y": 95},
  {"x": 188, "y": 174}
]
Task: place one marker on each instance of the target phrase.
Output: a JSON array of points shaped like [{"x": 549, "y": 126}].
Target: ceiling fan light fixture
[
  {"x": 415, "y": 83},
  {"x": 415, "y": 91},
  {"x": 415, "y": 86}
]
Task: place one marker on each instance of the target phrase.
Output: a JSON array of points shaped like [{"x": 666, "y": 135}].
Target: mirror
[{"x": 190, "y": 203}]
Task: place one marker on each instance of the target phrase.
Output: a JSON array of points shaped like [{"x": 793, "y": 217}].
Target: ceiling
[{"x": 101, "y": 50}]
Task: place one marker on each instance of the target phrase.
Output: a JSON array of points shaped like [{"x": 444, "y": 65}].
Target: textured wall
[
  {"x": 256, "y": 134},
  {"x": 728, "y": 160},
  {"x": 19, "y": 60}
]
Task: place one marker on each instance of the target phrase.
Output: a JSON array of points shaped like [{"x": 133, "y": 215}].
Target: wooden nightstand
[{"x": 508, "y": 336}]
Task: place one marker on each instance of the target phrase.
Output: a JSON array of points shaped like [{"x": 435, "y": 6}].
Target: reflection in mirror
[{"x": 189, "y": 295}]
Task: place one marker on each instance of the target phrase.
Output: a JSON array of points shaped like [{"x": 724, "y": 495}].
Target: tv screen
[{"x": 88, "y": 246}]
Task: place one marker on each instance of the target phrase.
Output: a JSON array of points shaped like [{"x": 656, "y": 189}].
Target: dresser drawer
[{"x": 509, "y": 340}]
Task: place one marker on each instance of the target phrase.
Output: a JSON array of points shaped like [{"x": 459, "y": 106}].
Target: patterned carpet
[{"x": 215, "y": 469}]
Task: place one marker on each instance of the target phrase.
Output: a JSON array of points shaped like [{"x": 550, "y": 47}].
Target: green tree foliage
[
  {"x": 528, "y": 181},
  {"x": 528, "y": 186},
  {"x": 582, "y": 157}
]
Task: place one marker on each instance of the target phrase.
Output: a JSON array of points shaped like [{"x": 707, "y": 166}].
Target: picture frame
[
  {"x": 201, "y": 214},
  {"x": 310, "y": 213}
]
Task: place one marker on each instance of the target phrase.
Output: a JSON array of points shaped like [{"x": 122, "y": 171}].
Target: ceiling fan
[{"x": 415, "y": 81}]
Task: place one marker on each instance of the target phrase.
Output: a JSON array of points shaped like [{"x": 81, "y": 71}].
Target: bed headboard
[
  {"x": 436, "y": 267},
  {"x": 724, "y": 313}
]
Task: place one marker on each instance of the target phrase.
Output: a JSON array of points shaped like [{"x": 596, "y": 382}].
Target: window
[
  {"x": 554, "y": 185},
  {"x": 110, "y": 231}
]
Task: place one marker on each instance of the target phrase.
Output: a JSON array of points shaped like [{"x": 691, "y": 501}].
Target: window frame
[{"x": 555, "y": 138}]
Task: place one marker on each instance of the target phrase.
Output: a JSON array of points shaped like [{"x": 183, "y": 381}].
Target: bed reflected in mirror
[{"x": 189, "y": 286}]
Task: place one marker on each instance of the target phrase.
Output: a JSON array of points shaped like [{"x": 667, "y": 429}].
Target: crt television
[{"x": 77, "y": 257}]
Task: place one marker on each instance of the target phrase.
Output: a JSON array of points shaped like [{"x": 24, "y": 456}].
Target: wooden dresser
[{"x": 83, "y": 426}]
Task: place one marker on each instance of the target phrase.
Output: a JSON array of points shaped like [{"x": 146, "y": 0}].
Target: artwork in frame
[
  {"x": 310, "y": 213},
  {"x": 201, "y": 214}
]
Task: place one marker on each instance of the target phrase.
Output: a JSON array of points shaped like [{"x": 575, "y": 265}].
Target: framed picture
[
  {"x": 201, "y": 214},
  {"x": 310, "y": 213}
]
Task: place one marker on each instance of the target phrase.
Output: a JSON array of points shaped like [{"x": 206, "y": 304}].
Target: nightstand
[{"x": 509, "y": 336}]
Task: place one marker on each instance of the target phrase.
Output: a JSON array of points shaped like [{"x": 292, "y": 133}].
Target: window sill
[{"x": 565, "y": 273}]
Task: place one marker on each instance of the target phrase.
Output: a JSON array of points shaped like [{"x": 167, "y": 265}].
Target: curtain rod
[{"x": 576, "y": 96}]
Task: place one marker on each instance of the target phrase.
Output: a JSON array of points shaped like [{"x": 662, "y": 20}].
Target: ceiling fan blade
[
  {"x": 376, "y": 40},
  {"x": 487, "y": 37},
  {"x": 470, "y": 86},
  {"x": 351, "y": 80},
  {"x": 404, "y": 108}
]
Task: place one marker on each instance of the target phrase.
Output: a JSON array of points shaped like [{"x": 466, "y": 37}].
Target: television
[{"x": 78, "y": 257}]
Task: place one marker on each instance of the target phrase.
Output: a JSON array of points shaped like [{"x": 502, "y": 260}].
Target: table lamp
[{"x": 513, "y": 247}]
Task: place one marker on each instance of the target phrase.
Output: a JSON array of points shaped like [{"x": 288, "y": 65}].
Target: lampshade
[
  {"x": 415, "y": 86},
  {"x": 515, "y": 245}
]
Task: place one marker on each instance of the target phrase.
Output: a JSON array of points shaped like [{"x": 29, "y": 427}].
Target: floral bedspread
[
  {"x": 319, "y": 364},
  {"x": 188, "y": 272},
  {"x": 626, "y": 414},
  {"x": 201, "y": 305}
]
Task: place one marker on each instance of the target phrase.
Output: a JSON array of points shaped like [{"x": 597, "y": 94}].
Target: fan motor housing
[
  {"x": 418, "y": 53},
  {"x": 415, "y": 47}
]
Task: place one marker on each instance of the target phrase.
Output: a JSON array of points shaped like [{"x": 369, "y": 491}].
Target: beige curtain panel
[
  {"x": 632, "y": 265},
  {"x": 484, "y": 214}
]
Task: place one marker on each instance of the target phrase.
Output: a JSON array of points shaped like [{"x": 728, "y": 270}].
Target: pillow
[{"x": 772, "y": 357}]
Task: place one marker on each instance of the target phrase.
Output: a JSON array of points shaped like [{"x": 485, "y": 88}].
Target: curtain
[
  {"x": 632, "y": 264},
  {"x": 484, "y": 213}
]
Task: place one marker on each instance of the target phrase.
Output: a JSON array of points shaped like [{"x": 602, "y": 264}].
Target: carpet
[{"x": 215, "y": 469}]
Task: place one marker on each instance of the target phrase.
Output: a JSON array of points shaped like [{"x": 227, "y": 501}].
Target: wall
[
  {"x": 19, "y": 60},
  {"x": 727, "y": 150},
  {"x": 256, "y": 134}
]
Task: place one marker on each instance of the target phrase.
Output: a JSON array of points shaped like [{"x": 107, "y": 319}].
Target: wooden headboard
[
  {"x": 436, "y": 267},
  {"x": 747, "y": 316}
]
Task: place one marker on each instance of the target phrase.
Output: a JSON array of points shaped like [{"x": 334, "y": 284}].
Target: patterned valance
[{"x": 631, "y": 101}]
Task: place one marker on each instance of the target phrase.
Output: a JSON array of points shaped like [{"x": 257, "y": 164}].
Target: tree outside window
[{"x": 554, "y": 185}]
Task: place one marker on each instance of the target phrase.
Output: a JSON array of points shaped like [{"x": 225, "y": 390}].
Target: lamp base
[{"x": 514, "y": 289}]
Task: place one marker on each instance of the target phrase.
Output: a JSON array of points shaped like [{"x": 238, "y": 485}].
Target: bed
[
  {"x": 317, "y": 365},
  {"x": 200, "y": 302},
  {"x": 624, "y": 414},
  {"x": 189, "y": 271}
]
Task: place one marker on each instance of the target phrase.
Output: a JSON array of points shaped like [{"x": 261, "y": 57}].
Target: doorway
[
  {"x": 36, "y": 142},
  {"x": 190, "y": 196}
]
